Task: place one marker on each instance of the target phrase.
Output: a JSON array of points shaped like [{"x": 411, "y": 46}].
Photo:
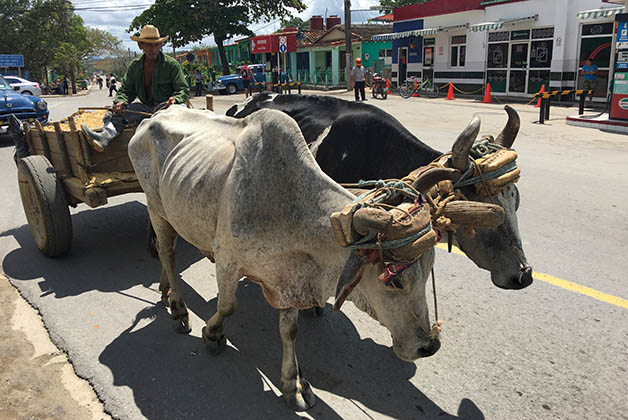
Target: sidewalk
[{"x": 78, "y": 93}]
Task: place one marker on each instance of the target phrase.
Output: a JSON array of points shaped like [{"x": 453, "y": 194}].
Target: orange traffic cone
[
  {"x": 538, "y": 103},
  {"x": 450, "y": 93},
  {"x": 387, "y": 87},
  {"x": 487, "y": 94},
  {"x": 415, "y": 94}
]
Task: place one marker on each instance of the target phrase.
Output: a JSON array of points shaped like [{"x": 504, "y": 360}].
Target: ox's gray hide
[{"x": 249, "y": 194}]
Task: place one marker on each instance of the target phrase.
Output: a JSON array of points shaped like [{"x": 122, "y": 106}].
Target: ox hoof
[
  {"x": 302, "y": 400},
  {"x": 182, "y": 325},
  {"x": 214, "y": 345}
]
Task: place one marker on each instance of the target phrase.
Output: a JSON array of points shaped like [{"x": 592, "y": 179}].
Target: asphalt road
[{"x": 556, "y": 350}]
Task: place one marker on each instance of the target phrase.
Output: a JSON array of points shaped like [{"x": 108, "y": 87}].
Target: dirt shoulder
[{"x": 36, "y": 380}]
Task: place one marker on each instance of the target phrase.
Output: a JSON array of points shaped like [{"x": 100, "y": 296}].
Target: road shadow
[
  {"x": 108, "y": 254},
  {"x": 172, "y": 376}
]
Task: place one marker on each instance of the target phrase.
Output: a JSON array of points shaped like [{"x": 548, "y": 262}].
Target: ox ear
[
  {"x": 232, "y": 111},
  {"x": 474, "y": 213},
  {"x": 432, "y": 176},
  {"x": 349, "y": 278},
  {"x": 507, "y": 137},
  {"x": 462, "y": 146}
]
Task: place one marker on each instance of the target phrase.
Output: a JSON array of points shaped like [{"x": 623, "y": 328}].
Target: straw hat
[{"x": 150, "y": 35}]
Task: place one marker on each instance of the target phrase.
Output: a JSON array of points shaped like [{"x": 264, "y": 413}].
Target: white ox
[{"x": 249, "y": 194}]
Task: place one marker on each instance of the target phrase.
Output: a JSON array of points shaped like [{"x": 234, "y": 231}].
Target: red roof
[
  {"x": 435, "y": 8},
  {"x": 384, "y": 18}
]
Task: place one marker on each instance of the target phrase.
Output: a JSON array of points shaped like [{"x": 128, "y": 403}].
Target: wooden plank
[
  {"x": 115, "y": 158},
  {"x": 76, "y": 142},
  {"x": 27, "y": 135},
  {"x": 44, "y": 140},
  {"x": 67, "y": 167},
  {"x": 93, "y": 197}
]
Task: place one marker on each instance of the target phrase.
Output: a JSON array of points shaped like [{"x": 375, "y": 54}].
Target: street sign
[
  {"x": 283, "y": 40},
  {"x": 283, "y": 48},
  {"x": 11, "y": 60}
]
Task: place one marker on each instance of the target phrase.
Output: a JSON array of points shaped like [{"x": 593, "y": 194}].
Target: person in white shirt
[{"x": 357, "y": 77}]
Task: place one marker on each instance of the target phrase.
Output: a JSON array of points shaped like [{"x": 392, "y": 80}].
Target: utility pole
[{"x": 348, "y": 47}]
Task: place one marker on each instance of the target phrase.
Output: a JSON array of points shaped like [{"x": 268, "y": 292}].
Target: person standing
[
  {"x": 156, "y": 79},
  {"x": 198, "y": 79},
  {"x": 65, "y": 85},
  {"x": 112, "y": 84},
  {"x": 589, "y": 71},
  {"x": 357, "y": 77},
  {"x": 245, "y": 75}
]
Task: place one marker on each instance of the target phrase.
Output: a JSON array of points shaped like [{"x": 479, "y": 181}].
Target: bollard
[
  {"x": 299, "y": 86},
  {"x": 548, "y": 103},
  {"x": 583, "y": 96},
  {"x": 209, "y": 102},
  {"x": 542, "y": 111}
]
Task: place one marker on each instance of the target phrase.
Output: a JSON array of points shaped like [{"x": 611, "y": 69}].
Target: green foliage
[
  {"x": 400, "y": 3},
  {"x": 294, "y": 22}
]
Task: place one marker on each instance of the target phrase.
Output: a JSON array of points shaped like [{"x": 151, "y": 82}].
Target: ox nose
[
  {"x": 525, "y": 279},
  {"x": 430, "y": 349}
]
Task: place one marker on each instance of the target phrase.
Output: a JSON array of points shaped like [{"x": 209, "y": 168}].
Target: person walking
[
  {"x": 357, "y": 77},
  {"x": 198, "y": 79},
  {"x": 112, "y": 84},
  {"x": 589, "y": 71},
  {"x": 99, "y": 80},
  {"x": 156, "y": 79},
  {"x": 245, "y": 75}
]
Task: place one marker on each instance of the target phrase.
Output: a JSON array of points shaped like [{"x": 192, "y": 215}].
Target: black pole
[
  {"x": 542, "y": 111},
  {"x": 581, "y": 103},
  {"x": 548, "y": 103}
]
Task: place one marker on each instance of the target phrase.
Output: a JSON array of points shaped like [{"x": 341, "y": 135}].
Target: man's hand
[
  {"x": 118, "y": 108},
  {"x": 170, "y": 101}
]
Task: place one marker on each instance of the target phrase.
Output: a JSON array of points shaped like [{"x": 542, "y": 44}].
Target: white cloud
[{"x": 117, "y": 21}]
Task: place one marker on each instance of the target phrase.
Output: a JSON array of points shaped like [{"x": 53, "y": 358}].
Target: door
[
  {"x": 518, "y": 68},
  {"x": 403, "y": 64}
]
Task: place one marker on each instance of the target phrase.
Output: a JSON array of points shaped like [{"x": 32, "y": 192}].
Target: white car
[{"x": 24, "y": 86}]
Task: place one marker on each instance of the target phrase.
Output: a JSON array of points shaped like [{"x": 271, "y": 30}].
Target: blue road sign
[
  {"x": 283, "y": 48},
  {"x": 622, "y": 32},
  {"x": 11, "y": 60}
]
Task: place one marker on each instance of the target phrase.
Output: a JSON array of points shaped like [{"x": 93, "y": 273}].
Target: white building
[{"x": 516, "y": 46}]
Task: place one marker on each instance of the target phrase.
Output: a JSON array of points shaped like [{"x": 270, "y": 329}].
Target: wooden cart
[{"x": 57, "y": 168}]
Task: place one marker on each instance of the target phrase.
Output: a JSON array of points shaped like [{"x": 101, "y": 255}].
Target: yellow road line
[{"x": 565, "y": 284}]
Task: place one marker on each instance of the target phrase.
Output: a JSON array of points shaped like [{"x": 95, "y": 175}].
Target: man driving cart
[{"x": 156, "y": 79}]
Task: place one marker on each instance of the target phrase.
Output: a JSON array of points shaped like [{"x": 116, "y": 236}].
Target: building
[{"x": 516, "y": 46}]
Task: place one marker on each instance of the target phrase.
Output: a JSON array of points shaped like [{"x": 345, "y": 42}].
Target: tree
[
  {"x": 192, "y": 20},
  {"x": 295, "y": 22},
  {"x": 398, "y": 3}
]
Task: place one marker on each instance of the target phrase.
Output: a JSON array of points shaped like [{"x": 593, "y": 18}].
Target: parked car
[
  {"x": 24, "y": 107},
  {"x": 24, "y": 86},
  {"x": 232, "y": 83}
]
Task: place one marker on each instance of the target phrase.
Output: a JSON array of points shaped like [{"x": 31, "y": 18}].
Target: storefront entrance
[{"x": 518, "y": 68}]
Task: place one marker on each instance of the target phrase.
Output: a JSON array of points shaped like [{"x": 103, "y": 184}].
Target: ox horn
[
  {"x": 507, "y": 137},
  {"x": 464, "y": 142},
  {"x": 474, "y": 213},
  {"x": 432, "y": 176},
  {"x": 349, "y": 278}
]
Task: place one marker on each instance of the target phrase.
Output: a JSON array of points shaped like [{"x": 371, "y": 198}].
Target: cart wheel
[{"x": 45, "y": 205}]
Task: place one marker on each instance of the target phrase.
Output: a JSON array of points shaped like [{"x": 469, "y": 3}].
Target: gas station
[{"x": 275, "y": 49}]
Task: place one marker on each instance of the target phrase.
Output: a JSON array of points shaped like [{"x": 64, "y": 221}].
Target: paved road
[{"x": 556, "y": 350}]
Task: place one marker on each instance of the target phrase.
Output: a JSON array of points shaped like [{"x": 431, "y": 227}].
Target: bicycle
[{"x": 426, "y": 89}]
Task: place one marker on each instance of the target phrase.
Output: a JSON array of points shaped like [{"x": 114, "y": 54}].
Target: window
[
  {"x": 458, "y": 51},
  {"x": 385, "y": 53}
]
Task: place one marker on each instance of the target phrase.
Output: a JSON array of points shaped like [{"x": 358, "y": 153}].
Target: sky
[{"x": 115, "y": 16}]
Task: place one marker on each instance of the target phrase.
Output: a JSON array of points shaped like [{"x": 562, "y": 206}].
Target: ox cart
[{"x": 57, "y": 168}]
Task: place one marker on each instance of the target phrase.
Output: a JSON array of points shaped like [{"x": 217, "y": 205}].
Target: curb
[{"x": 69, "y": 95}]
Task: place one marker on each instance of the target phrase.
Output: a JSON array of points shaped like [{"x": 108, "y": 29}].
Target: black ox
[{"x": 354, "y": 141}]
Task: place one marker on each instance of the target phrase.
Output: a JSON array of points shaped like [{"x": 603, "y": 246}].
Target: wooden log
[
  {"x": 473, "y": 213},
  {"x": 209, "y": 100}
]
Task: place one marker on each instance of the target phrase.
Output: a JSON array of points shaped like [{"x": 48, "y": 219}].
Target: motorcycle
[{"x": 379, "y": 87}]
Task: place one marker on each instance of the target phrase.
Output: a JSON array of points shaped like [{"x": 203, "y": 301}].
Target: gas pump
[{"x": 619, "y": 92}]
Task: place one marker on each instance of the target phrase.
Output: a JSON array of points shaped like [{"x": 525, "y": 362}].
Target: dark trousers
[
  {"x": 359, "y": 86},
  {"x": 111, "y": 89},
  {"x": 199, "y": 88}
]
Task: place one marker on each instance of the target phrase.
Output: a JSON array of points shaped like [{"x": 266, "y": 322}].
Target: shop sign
[
  {"x": 429, "y": 41},
  {"x": 523, "y": 34},
  {"x": 428, "y": 56},
  {"x": 622, "y": 32},
  {"x": 261, "y": 44}
]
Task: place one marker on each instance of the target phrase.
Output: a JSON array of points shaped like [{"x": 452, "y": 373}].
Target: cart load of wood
[{"x": 93, "y": 119}]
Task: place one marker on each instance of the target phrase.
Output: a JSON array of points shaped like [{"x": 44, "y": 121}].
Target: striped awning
[
  {"x": 598, "y": 13},
  {"x": 415, "y": 32},
  {"x": 493, "y": 26}
]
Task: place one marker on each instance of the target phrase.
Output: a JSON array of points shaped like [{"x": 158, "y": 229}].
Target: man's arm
[{"x": 126, "y": 93}]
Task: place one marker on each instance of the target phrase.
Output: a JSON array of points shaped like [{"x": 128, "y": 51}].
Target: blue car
[
  {"x": 24, "y": 107},
  {"x": 232, "y": 83}
]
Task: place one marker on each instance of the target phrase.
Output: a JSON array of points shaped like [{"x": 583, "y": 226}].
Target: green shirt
[{"x": 168, "y": 80}]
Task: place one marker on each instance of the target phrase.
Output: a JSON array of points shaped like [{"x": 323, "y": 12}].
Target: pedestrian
[
  {"x": 112, "y": 84},
  {"x": 65, "y": 85},
  {"x": 212, "y": 74},
  {"x": 156, "y": 79},
  {"x": 245, "y": 75},
  {"x": 589, "y": 71},
  {"x": 198, "y": 79},
  {"x": 357, "y": 77},
  {"x": 99, "y": 80}
]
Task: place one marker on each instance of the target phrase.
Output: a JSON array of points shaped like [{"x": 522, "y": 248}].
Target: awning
[
  {"x": 598, "y": 13},
  {"x": 415, "y": 32},
  {"x": 493, "y": 26}
]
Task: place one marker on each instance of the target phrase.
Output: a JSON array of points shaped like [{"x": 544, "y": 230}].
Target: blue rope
[
  {"x": 396, "y": 243},
  {"x": 486, "y": 176}
]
